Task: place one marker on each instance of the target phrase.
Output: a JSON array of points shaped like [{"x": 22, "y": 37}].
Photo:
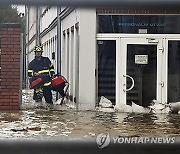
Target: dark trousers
[
  {"x": 43, "y": 91},
  {"x": 47, "y": 94}
]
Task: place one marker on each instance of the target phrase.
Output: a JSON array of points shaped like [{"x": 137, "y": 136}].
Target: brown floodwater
[
  {"x": 66, "y": 123},
  {"x": 70, "y": 124}
]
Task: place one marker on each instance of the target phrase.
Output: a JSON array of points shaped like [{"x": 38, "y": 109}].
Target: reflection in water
[
  {"x": 174, "y": 120},
  {"x": 68, "y": 124}
]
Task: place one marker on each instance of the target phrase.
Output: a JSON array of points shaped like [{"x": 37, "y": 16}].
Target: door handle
[
  {"x": 132, "y": 86},
  {"x": 162, "y": 84}
]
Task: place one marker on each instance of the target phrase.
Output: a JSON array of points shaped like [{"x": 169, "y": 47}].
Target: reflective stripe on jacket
[{"x": 42, "y": 66}]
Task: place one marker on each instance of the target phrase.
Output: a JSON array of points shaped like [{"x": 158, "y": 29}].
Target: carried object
[
  {"x": 58, "y": 80},
  {"x": 60, "y": 84},
  {"x": 36, "y": 83}
]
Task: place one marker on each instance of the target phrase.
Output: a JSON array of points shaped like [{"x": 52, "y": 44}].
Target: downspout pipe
[
  {"x": 58, "y": 44},
  {"x": 58, "y": 40},
  {"x": 38, "y": 39},
  {"x": 21, "y": 70},
  {"x": 27, "y": 41}
]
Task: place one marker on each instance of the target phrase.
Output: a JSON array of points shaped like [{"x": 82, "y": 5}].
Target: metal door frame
[
  {"x": 160, "y": 63},
  {"x": 102, "y": 38},
  {"x": 170, "y": 38}
]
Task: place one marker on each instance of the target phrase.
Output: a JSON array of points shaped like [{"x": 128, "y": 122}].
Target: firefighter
[{"x": 41, "y": 67}]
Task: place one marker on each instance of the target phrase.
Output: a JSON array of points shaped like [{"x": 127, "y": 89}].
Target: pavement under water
[{"x": 67, "y": 123}]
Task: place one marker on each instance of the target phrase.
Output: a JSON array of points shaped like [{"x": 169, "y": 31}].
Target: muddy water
[
  {"x": 66, "y": 123},
  {"x": 69, "y": 124}
]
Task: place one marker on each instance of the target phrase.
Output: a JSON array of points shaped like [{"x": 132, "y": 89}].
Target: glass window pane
[
  {"x": 173, "y": 71},
  {"x": 106, "y": 69},
  {"x": 144, "y": 75},
  {"x": 153, "y": 24}
]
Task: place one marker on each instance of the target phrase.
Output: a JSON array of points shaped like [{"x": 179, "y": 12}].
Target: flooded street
[
  {"x": 69, "y": 124},
  {"x": 66, "y": 123}
]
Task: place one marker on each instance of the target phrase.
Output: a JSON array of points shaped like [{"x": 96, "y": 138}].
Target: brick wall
[{"x": 10, "y": 66}]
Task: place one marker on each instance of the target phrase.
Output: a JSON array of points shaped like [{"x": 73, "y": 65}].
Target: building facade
[{"x": 126, "y": 55}]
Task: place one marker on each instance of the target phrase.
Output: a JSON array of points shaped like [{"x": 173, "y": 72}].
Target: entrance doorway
[
  {"x": 143, "y": 70},
  {"x": 145, "y": 67}
]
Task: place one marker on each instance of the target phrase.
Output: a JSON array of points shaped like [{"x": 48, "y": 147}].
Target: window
[{"x": 153, "y": 24}]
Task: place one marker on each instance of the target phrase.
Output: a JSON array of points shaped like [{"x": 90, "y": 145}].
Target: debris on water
[
  {"x": 92, "y": 134},
  {"x": 67, "y": 123},
  {"x": 26, "y": 129},
  {"x": 51, "y": 133},
  {"x": 19, "y": 130},
  {"x": 139, "y": 109},
  {"x": 134, "y": 108},
  {"x": 157, "y": 107},
  {"x": 105, "y": 109},
  {"x": 125, "y": 108},
  {"x": 34, "y": 128},
  {"x": 105, "y": 103},
  {"x": 67, "y": 132},
  {"x": 174, "y": 107}
]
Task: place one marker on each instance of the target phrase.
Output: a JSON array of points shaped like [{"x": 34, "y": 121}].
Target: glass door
[
  {"x": 142, "y": 67},
  {"x": 142, "y": 79},
  {"x": 173, "y": 70}
]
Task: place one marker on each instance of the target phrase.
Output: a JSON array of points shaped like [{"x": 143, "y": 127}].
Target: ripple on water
[{"x": 72, "y": 124}]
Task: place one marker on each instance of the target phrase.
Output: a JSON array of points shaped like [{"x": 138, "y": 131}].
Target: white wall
[
  {"x": 48, "y": 17},
  {"x": 68, "y": 52},
  {"x": 32, "y": 21},
  {"x": 50, "y": 45},
  {"x": 87, "y": 59},
  {"x": 31, "y": 54},
  {"x": 87, "y": 56},
  {"x": 31, "y": 32}
]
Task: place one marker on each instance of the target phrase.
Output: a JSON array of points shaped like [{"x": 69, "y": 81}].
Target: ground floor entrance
[{"x": 138, "y": 68}]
